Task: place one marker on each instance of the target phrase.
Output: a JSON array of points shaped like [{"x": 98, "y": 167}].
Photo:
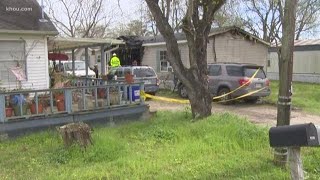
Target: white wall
[
  {"x": 306, "y": 66},
  {"x": 36, "y": 62}
]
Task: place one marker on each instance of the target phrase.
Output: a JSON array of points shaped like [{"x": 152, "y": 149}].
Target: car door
[{"x": 214, "y": 77}]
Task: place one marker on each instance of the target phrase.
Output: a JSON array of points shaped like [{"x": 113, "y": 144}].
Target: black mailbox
[{"x": 294, "y": 135}]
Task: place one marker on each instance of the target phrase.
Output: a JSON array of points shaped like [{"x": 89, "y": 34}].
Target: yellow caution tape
[
  {"x": 245, "y": 95},
  {"x": 144, "y": 95},
  {"x": 254, "y": 75}
]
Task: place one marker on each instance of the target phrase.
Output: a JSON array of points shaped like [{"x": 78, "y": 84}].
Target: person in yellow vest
[{"x": 115, "y": 61}]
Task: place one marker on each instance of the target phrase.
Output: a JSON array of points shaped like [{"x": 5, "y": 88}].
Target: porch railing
[{"x": 48, "y": 102}]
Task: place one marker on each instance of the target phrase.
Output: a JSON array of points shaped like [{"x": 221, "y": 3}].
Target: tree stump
[{"x": 76, "y": 132}]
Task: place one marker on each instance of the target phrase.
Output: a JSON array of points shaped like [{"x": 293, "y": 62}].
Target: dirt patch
[{"x": 256, "y": 113}]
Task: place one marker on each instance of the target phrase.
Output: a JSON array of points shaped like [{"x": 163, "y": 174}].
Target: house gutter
[
  {"x": 163, "y": 43},
  {"x": 28, "y": 32}
]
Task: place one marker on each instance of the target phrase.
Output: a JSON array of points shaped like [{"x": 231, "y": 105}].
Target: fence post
[
  {"x": 2, "y": 108},
  {"x": 68, "y": 100}
]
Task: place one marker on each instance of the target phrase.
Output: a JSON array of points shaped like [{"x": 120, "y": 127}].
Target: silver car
[
  {"x": 144, "y": 74},
  {"x": 226, "y": 77}
]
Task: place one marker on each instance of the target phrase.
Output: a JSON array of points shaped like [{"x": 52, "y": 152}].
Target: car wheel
[
  {"x": 182, "y": 91},
  {"x": 224, "y": 100},
  {"x": 251, "y": 100}
]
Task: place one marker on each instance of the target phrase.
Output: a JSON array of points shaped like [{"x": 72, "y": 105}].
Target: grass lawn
[
  {"x": 305, "y": 96},
  {"x": 166, "y": 147}
]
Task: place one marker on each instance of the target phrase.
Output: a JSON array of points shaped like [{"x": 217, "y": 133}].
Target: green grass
[
  {"x": 169, "y": 146},
  {"x": 305, "y": 96}
]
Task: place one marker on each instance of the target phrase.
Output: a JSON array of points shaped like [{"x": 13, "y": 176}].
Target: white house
[
  {"x": 306, "y": 61},
  {"x": 228, "y": 44},
  {"x": 23, "y": 45}
]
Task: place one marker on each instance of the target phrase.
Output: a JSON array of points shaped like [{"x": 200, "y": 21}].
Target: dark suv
[{"x": 225, "y": 77}]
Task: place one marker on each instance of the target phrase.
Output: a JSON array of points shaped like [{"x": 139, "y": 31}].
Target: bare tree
[
  {"x": 173, "y": 11},
  {"x": 133, "y": 28},
  {"x": 262, "y": 16},
  {"x": 196, "y": 25},
  {"x": 229, "y": 15},
  {"x": 308, "y": 12},
  {"x": 79, "y": 18},
  {"x": 285, "y": 69},
  {"x": 265, "y": 16}
]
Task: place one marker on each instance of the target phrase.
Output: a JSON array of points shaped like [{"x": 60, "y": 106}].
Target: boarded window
[{"x": 12, "y": 54}]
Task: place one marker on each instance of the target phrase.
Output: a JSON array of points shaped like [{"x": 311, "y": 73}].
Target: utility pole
[{"x": 285, "y": 72}]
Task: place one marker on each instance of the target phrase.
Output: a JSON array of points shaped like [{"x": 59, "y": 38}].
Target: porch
[{"x": 90, "y": 102}]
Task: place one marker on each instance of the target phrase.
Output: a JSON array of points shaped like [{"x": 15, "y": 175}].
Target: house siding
[
  {"x": 228, "y": 47},
  {"x": 36, "y": 62},
  {"x": 237, "y": 49},
  {"x": 150, "y": 57},
  {"x": 305, "y": 66}
]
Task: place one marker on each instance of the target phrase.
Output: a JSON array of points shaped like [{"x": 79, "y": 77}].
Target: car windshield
[
  {"x": 144, "y": 72},
  {"x": 78, "y": 66},
  {"x": 249, "y": 71}
]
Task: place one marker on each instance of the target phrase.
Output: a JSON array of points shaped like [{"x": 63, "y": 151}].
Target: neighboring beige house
[
  {"x": 306, "y": 61},
  {"x": 23, "y": 44},
  {"x": 230, "y": 44}
]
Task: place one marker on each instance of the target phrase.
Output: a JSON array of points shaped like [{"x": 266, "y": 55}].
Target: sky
[{"x": 128, "y": 9}]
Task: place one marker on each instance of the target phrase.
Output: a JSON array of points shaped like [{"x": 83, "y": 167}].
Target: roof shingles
[{"x": 23, "y": 15}]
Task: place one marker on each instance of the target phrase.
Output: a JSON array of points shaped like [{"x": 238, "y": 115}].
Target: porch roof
[{"x": 63, "y": 43}]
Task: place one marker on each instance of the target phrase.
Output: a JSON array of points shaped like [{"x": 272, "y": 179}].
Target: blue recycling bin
[{"x": 135, "y": 93}]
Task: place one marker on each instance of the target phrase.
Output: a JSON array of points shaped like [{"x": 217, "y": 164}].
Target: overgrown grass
[
  {"x": 169, "y": 146},
  {"x": 305, "y": 96}
]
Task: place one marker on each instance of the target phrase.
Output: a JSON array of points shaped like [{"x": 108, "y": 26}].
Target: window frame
[
  {"x": 163, "y": 59},
  {"x": 23, "y": 61}
]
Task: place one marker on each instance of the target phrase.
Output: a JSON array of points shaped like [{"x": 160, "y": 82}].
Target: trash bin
[{"x": 135, "y": 92}]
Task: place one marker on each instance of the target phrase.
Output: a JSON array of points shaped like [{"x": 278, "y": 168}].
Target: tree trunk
[
  {"x": 285, "y": 73},
  {"x": 196, "y": 25},
  {"x": 76, "y": 133},
  {"x": 201, "y": 102}
]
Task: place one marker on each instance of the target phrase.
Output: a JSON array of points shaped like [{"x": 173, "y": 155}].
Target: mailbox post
[{"x": 294, "y": 137}]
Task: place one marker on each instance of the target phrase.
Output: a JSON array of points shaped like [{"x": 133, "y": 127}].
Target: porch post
[
  {"x": 103, "y": 60},
  {"x": 86, "y": 53},
  {"x": 2, "y": 108},
  {"x": 73, "y": 64},
  {"x": 68, "y": 100}
]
